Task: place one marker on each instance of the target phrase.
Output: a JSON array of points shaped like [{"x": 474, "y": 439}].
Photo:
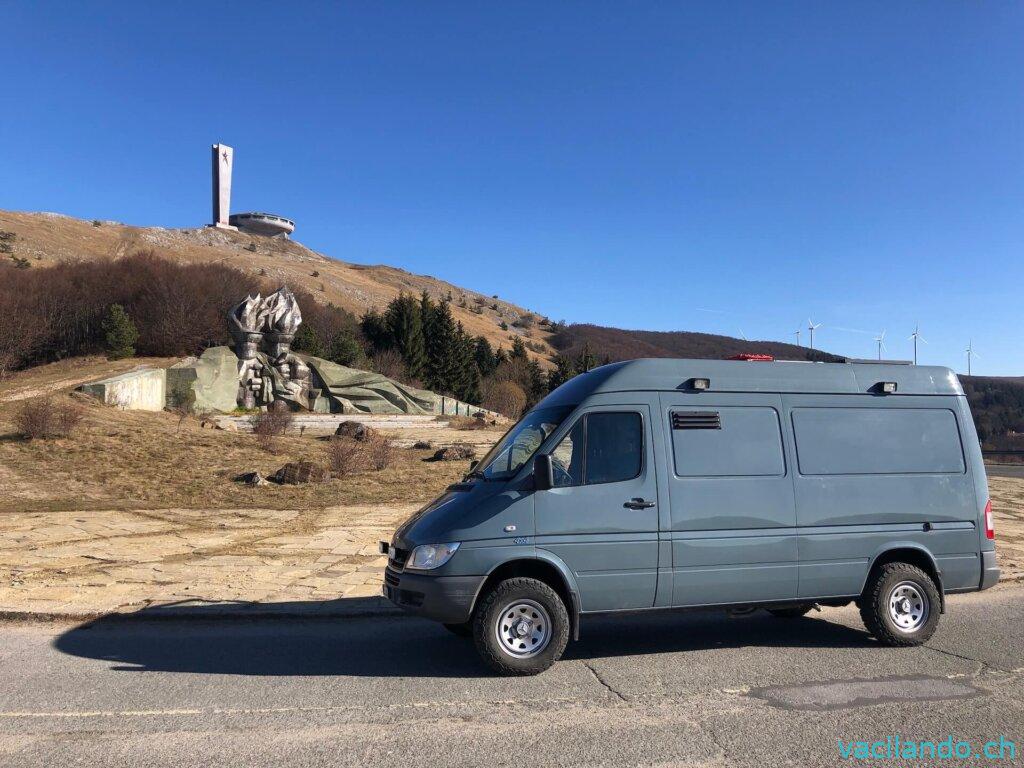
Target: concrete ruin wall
[{"x": 141, "y": 390}]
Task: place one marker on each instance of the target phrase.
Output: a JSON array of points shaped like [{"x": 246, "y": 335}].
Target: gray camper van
[{"x": 655, "y": 484}]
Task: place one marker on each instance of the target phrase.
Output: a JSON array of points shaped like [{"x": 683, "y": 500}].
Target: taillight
[{"x": 990, "y": 529}]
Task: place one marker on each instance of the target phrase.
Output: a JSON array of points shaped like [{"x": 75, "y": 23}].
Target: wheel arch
[
  {"x": 544, "y": 568},
  {"x": 912, "y": 554}
]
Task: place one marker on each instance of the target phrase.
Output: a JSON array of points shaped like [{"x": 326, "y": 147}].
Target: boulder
[
  {"x": 423, "y": 445},
  {"x": 456, "y": 452},
  {"x": 355, "y": 430},
  {"x": 252, "y": 478},
  {"x": 298, "y": 472}
]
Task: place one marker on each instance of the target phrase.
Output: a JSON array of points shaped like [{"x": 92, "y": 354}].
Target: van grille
[
  {"x": 696, "y": 420},
  {"x": 397, "y": 557}
]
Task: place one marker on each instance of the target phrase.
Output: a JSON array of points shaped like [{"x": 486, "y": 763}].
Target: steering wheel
[{"x": 560, "y": 474}]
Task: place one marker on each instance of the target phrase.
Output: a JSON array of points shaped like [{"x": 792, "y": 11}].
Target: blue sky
[{"x": 721, "y": 167}]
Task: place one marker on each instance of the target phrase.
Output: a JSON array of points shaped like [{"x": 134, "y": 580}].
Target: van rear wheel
[
  {"x": 900, "y": 605},
  {"x": 520, "y": 627}
]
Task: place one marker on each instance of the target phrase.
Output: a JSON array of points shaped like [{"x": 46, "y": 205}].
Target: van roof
[{"x": 667, "y": 374}]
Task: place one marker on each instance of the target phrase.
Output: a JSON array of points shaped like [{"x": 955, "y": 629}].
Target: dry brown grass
[{"x": 137, "y": 460}]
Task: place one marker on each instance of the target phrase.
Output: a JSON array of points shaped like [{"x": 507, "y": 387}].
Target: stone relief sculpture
[
  {"x": 263, "y": 330},
  {"x": 260, "y": 369}
]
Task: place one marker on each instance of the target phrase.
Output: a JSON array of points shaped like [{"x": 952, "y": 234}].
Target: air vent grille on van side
[{"x": 696, "y": 420}]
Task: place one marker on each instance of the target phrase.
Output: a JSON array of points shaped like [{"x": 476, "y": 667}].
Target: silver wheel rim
[
  {"x": 523, "y": 629},
  {"x": 908, "y": 606}
]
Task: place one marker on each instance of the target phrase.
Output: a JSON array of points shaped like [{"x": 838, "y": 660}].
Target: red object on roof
[{"x": 754, "y": 357}]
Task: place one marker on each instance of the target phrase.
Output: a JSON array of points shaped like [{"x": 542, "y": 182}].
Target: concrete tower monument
[{"x": 223, "y": 158}]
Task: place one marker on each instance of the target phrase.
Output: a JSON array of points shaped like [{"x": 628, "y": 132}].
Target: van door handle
[{"x": 638, "y": 503}]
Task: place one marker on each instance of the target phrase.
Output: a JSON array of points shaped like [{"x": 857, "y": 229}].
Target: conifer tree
[
  {"x": 405, "y": 329},
  {"x": 307, "y": 340},
  {"x": 585, "y": 360},
  {"x": 345, "y": 350},
  {"x": 483, "y": 354},
  {"x": 375, "y": 330},
  {"x": 468, "y": 386},
  {"x": 442, "y": 351},
  {"x": 518, "y": 349},
  {"x": 538, "y": 382},
  {"x": 120, "y": 333},
  {"x": 563, "y": 371}
]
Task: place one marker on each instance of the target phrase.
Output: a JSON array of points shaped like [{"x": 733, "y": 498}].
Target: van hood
[{"x": 468, "y": 512}]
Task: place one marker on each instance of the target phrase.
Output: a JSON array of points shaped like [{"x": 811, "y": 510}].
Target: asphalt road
[{"x": 681, "y": 689}]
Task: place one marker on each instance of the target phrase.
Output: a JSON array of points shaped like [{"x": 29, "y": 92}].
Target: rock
[
  {"x": 423, "y": 445},
  {"x": 298, "y": 472},
  {"x": 252, "y": 478},
  {"x": 356, "y": 430},
  {"x": 456, "y": 452}
]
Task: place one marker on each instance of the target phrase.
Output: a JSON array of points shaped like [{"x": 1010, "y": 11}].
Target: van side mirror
[
  {"x": 472, "y": 465},
  {"x": 543, "y": 473}
]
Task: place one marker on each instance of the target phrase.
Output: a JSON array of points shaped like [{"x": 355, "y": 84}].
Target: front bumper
[
  {"x": 989, "y": 570},
  {"x": 448, "y": 599}
]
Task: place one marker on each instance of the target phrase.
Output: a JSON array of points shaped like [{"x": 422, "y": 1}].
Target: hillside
[
  {"x": 47, "y": 239},
  {"x": 998, "y": 406},
  {"x": 620, "y": 344}
]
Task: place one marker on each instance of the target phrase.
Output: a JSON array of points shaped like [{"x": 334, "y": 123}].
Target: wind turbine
[
  {"x": 880, "y": 339},
  {"x": 743, "y": 335},
  {"x": 970, "y": 353},
  {"x": 812, "y": 328},
  {"x": 916, "y": 335},
  {"x": 797, "y": 334}
]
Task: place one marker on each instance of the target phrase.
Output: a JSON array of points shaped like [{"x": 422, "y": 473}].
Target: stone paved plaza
[
  {"x": 97, "y": 562},
  {"x": 86, "y": 563}
]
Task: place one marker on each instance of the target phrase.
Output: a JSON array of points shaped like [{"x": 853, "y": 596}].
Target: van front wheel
[
  {"x": 520, "y": 627},
  {"x": 900, "y": 605}
]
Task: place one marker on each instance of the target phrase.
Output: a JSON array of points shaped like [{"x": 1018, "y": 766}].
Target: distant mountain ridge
[{"x": 622, "y": 344}]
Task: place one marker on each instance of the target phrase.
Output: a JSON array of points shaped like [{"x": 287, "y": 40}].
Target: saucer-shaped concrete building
[{"x": 262, "y": 223}]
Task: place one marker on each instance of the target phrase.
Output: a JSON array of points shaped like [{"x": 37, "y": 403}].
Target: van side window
[
  {"x": 602, "y": 447},
  {"x": 741, "y": 441},
  {"x": 877, "y": 441}
]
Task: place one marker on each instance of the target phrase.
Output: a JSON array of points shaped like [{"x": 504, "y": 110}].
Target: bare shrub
[
  {"x": 505, "y": 397},
  {"x": 41, "y": 418},
  {"x": 467, "y": 423},
  {"x": 388, "y": 363},
  {"x": 270, "y": 425},
  {"x": 345, "y": 456},
  {"x": 380, "y": 452}
]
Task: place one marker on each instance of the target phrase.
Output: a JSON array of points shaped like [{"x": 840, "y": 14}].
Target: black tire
[
  {"x": 465, "y": 629},
  {"x": 492, "y": 607},
  {"x": 791, "y": 611},
  {"x": 877, "y": 605}
]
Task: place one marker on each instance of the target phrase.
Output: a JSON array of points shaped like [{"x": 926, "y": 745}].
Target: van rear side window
[
  {"x": 877, "y": 441},
  {"x": 727, "y": 442}
]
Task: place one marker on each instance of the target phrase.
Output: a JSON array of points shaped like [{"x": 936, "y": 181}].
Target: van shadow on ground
[{"x": 399, "y": 646}]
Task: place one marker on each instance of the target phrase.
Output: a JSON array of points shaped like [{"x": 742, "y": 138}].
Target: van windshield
[{"x": 520, "y": 443}]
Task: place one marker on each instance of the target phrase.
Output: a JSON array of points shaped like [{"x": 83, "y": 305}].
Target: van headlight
[{"x": 427, "y": 557}]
